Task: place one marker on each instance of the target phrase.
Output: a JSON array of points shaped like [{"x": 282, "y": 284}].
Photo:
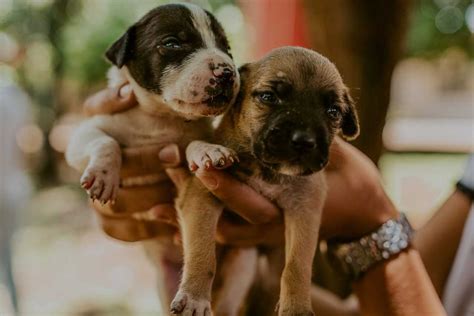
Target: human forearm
[
  {"x": 438, "y": 240},
  {"x": 399, "y": 286},
  {"x": 326, "y": 303}
]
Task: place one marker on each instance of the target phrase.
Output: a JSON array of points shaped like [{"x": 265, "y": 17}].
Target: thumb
[
  {"x": 178, "y": 176},
  {"x": 171, "y": 156}
]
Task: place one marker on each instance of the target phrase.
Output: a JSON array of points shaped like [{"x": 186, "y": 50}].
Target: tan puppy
[{"x": 291, "y": 104}]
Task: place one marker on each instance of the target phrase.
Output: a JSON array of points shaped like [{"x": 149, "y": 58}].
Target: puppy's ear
[
  {"x": 244, "y": 71},
  {"x": 350, "y": 120},
  {"x": 120, "y": 51}
]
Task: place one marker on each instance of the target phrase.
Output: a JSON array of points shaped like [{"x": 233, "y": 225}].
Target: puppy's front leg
[
  {"x": 302, "y": 222},
  {"x": 301, "y": 236},
  {"x": 198, "y": 213},
  {"x": 100, "y": 155}
]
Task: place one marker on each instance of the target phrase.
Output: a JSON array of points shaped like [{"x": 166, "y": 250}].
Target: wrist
[
  {"x": 467, "y": 191},
  {"x": 357, "y": 257},
  {"x": 466, "y": 184},
  {"x": 379, "y": 209},
  {"x": 401, "y": 286}
]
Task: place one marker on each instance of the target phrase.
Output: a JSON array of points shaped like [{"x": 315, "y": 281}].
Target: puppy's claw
[
  {"x": 208, "y": 164},
  {"x": 221, "y": 163},
  {"x": 101, "y": 182},
  {"x": 186, "y": 305},
  {"x": 178, "y": 304},
  {"x": 87, "y": 184}
]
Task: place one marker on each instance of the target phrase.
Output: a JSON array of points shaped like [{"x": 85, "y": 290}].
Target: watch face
[
  {"x": 354, "y": 258},
  {"x": 391, "y": 238}
]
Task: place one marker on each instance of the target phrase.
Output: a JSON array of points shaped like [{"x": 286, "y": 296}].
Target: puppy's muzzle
[
  {"x": 303, "y": 141},
  {"x": 295, "y": 145},
  {"x": 221, "y": 87}
]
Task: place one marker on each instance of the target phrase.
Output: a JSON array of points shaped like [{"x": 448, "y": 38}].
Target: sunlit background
[{"x": 51, "y": 60}]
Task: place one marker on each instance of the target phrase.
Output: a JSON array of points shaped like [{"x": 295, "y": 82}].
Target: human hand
[
  {"x": 143, "y": 211},
  {"x": 140, "y": 211},
  {"x": 110, "y": 100},
  {"x": 356, "y": 202}
]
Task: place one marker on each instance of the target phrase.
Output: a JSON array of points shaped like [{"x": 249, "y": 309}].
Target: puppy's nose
[
  {"x": 227, "y": 73},
  {"x": 224, "y": 74},
  {"x": 303, "y": 141}
]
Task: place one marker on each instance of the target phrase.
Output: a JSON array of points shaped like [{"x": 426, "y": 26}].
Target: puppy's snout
[
  {"x": 224, "y": 75},
  {"x": 303, "y": 141}
]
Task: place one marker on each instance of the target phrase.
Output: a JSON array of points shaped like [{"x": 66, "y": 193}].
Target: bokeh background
[{"x": 408, "y": 63}]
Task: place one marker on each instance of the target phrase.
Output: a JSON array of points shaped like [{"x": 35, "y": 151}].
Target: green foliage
[
  {"x": 96, "y": 27},
  {"x": 426, "y": 39},
  {"x": 93, "y": 30}
]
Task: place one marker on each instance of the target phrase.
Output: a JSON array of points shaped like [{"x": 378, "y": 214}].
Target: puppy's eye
[
  {"x": 334, "y": 113},
  {"x": 171, "y": 42},
  {"x": 267, "y": 97}
]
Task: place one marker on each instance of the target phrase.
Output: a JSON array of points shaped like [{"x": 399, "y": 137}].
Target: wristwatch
[
  {"x": 468, "y": 191},
  {"x": 466, "y": 183},
  {"x": 356, "y": 257}
]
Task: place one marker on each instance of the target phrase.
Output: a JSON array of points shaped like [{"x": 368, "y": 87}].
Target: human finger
[
  {"x": 178, "y": 176},
  {"x": 149, "y": 160},
  {"x": 138, "y": 199},
  {"x": 165, "y": 213},
  {"x": 249, "y": 235},
  {"x": 238, "y": 196},
  {"x": 110, "y": 100}
]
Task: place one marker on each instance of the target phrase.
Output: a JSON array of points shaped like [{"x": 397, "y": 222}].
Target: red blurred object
[{"x": 275, "y": 23}]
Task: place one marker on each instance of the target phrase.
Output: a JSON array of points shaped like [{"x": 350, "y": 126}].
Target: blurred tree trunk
[{"x": 365, "y": 39}]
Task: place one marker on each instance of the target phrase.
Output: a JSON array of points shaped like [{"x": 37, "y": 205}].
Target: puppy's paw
[
  {"x": 207, "y": 156},
  {"x": 101, "y": 181},
  {"x": 184, "y": 305}
]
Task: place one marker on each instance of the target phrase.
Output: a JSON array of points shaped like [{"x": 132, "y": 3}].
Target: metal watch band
[
  {"x": 469, "y": 192},
  {"x": 356, "y": 257}
]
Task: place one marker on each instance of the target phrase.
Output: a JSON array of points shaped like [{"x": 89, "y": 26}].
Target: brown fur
[{"x": 308, "y": 84}]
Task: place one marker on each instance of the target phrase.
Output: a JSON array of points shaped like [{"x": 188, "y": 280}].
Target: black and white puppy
[{"x": 178, "y": 63}]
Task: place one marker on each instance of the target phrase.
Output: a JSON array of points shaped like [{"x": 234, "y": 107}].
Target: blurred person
[
  {"x": 356, "y": 205},
  {"x": 15, "y": 186},
  {"x": 446, "y": 245}
]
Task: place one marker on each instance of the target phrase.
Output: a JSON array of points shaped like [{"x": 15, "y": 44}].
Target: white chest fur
[
  {"x": 271, "y": 191},
  {"x": 138, "y": 128},
  {"x": 292, "y": 192}
]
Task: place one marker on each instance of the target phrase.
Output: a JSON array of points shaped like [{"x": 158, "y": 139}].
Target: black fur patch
[{"x": 142, "y": 49}]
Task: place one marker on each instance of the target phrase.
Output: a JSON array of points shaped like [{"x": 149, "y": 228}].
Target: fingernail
[
  {"x": 170, "y": 154},
  {"x": 209, "y": 181},
  {"x": 159, "y": 215},
  {"x": 125, "y": 91}
]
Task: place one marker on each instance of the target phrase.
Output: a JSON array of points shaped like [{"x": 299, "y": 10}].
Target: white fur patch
[
  {"x": 115, "y": 77},
  {"x": 290, "y": 170},
  {"x": 202, "y": 23},
  {"x": 187, "y": 82},
  {"x": 150, "y": 102}
]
